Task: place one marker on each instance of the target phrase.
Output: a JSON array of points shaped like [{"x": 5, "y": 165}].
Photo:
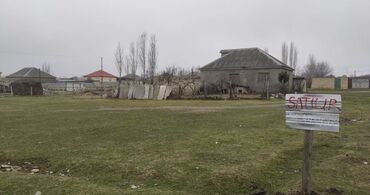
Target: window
[
  {"x": 234, "y": 78},
  {"x": 263, "y": 76}
]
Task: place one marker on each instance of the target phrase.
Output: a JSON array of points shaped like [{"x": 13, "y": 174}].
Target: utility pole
[
  {"x": 101, "y": 77},
  {"x": 101, "y": 71}
]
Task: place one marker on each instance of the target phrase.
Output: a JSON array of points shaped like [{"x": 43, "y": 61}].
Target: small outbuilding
[
  {"x": 28, "y": 81},
  {"x": 31, "y": 74}
]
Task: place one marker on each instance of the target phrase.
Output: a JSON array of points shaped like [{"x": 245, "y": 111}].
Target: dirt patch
[
  {"x": 203, "y": 110},
  {"x": 36, "y": 165},
  {"x": 191, "y": 109},
  {"x": 334, "y": 191},
  {"x": 30, "y": 165}
]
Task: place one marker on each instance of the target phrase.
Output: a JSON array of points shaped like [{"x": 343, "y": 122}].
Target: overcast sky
[{"x": 71, "y": 35}]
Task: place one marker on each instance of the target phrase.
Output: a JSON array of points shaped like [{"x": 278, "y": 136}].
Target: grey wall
[
  {"x": 360, "y": 83},
  {"x": 247, "y": 78}
]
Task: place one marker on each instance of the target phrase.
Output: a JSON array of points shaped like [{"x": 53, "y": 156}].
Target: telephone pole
[
  {"x": 101, "y": 71},
  {"x": 101, "y": 77}
]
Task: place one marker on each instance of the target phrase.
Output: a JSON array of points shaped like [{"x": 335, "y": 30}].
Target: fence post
[{"x": 306, "y": 170}]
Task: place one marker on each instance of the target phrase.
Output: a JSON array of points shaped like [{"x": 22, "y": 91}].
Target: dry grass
[{"x": 96, "y": 146}]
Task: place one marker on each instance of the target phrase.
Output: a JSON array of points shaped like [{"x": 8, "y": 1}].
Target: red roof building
[{"x": 101, "y": 74}]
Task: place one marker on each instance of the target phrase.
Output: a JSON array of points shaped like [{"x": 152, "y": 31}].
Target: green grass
[{"x": 175, "y": 147}]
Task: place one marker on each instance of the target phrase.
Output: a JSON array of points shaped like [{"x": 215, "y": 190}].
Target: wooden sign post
[{"x": 312, "y": 112}]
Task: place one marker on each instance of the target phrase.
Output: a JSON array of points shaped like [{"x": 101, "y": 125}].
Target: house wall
[
  {"x": 360, "y": 83},
  {"x": 105, "y": 79},
  {"x": 248, "y": 78},
  {"x": 323, "y": 83}
]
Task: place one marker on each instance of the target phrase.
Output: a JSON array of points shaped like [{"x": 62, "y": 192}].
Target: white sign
[{"x": 313, "y": 111}]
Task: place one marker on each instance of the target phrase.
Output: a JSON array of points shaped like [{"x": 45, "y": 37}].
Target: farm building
[
  {"x": 252, "y": 69},
  {"x": 27, "y": 81},
  {"x": 101, "y": 75}
]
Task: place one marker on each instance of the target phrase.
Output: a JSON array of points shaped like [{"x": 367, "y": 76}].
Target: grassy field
[{"x": 96, "y": 146}]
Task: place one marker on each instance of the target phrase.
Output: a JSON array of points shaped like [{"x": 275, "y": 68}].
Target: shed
[
  {"x": 31, "y": 74},
  {"x": 27, "y": 81}
]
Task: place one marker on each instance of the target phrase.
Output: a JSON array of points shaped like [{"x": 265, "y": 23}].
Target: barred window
[{"x": 263, "y": 76}]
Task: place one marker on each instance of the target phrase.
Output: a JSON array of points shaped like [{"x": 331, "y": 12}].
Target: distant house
[
  {"x": 249, "y": 68},
  {"x": 101, "y": 75},
  {"x": 27, "y": 81}
]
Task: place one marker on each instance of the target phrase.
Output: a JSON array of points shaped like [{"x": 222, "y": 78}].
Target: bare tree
[
  {"x": 142, "y": 52},
  {"x": 291, "y": 50},
  {"x": 127, "y": 64},
  {"x": 324, "y": 69},
  {"x": 293, "y": 55},
  {"x": 169, "y": 74},
  {"x": 119, "y": 60},
  {"x": 284, "y": 53},
  {"x": 289, "y": 53},
  {"x": 295, "y": 59},
  {"x": 133, "y": 59},
  {"x": 316, "y": 69},
  {"x": 45, "y": 67},
  {"x": 152, "y": 57}
]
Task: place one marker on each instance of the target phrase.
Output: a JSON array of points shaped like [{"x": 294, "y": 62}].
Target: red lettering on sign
[
  {"x": 292, "y": 103},
  {"x": 305, "y": 101},
  {"x": 299, "y": 101},
  {"x": 323, "y": 107}
]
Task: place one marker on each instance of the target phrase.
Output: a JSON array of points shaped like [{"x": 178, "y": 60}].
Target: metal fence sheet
[{"x": 313, "y": 111}]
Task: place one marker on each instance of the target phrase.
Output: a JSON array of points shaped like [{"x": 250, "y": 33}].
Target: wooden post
[
  {"x": 306, "y": 169},
  {"x": 31, "y": 91},
  {"x": 268, "y": 89},
  {"x": 11, "y": 90}
]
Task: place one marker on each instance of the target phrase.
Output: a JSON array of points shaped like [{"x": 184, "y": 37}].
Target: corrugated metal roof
[
  {"x": 30, "y": 72},
  {"x": 247, "y": 58}
]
